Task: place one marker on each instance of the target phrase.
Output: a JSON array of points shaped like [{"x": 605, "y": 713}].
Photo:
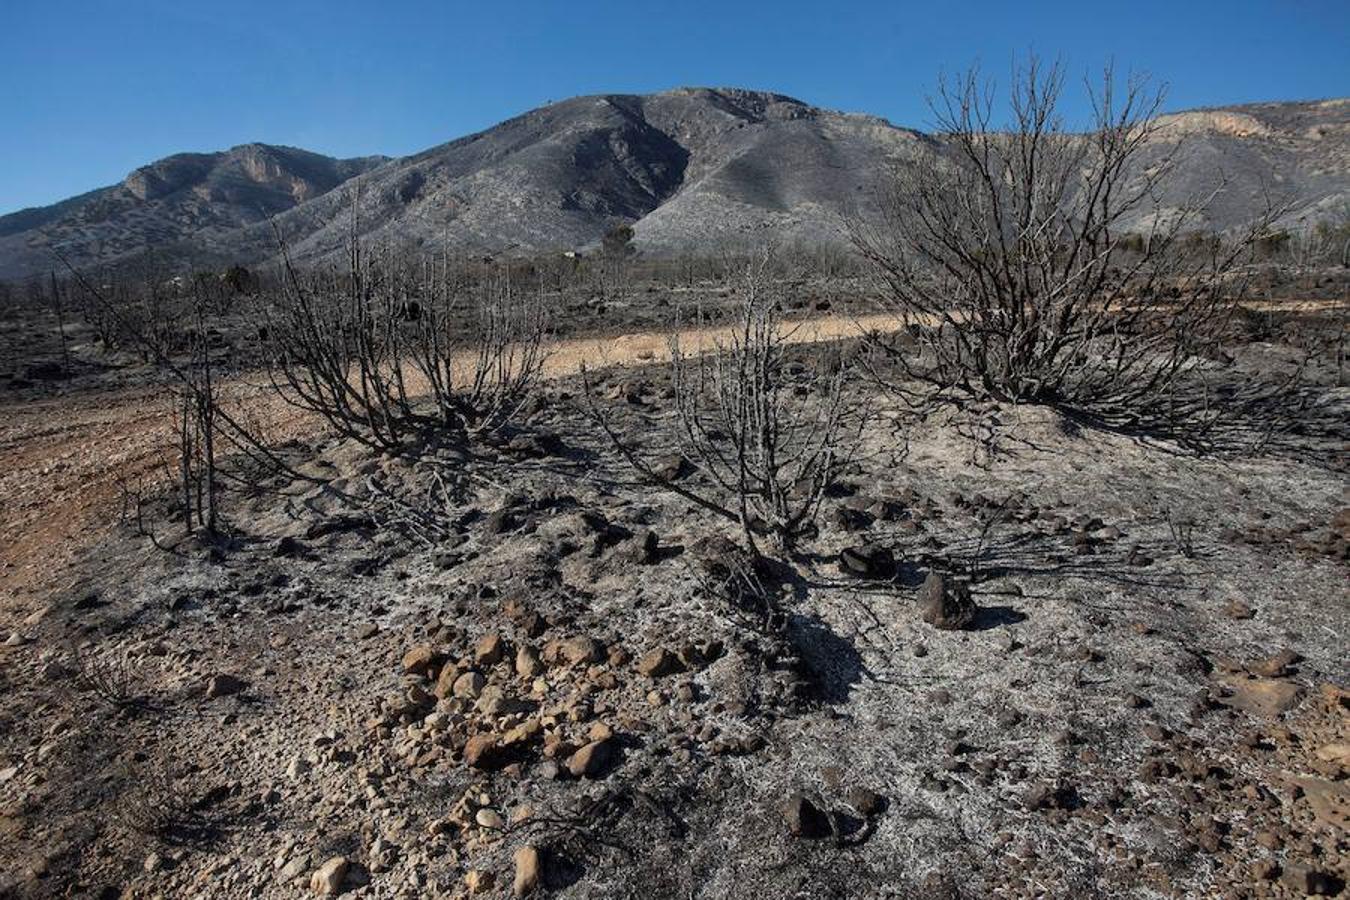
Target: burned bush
[
  {"x": 1021, "y": 256},
  {"x": 386, "y": 351},
  {"x": 766, "y": 435}
]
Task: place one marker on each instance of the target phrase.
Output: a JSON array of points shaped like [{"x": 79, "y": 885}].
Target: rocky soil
[{"x": 1020, "y": 658}]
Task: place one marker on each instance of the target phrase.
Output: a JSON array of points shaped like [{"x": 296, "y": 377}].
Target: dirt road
[{"x": 62, "y": 459}]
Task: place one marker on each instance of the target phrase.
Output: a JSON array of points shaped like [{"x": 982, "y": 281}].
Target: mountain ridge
[{"x": 690, "y": 168}]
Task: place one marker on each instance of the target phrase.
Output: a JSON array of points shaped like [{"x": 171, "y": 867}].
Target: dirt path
[{"x": 62, "y": 459}]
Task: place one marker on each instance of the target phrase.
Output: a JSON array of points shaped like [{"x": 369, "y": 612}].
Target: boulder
[
  {"x": 528, "y": 664},
  {"x": 529, "y": 871},
  {"x": 581, "y": 649},
  {"x": 804, "y": 818},
  {"x": 421, "y": 660},
  {"x": 658, "y": 662},
  {"x": 946, "y": 604},
  {"x": 489, "y": 650},
  {"x": 469, "y": 685},
  {"x": 327, "y": 879},
  {"x": 483, "y": 752},
  {"x": 591, "y": 760},
  {"x": 867, "y": 561},
  {"x": 445, "y": 682},
  {"x": 223, "y": 685}
]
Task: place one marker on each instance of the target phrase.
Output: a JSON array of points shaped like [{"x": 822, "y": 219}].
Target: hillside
[
  {"x": 192, "y": 198},
  {"x": 692, "y": 169}
]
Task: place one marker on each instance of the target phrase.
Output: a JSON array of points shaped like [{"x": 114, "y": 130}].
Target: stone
[
  {"x": 524, "y": 734},
  {"x": 492, "y": 701},
  {"x": 804, "y": 818},
  {"x": 469, "y": 685},
  {"x": 582, "y": 649},
  {"x": 1042, "y": 796},
  {"x": 421, "y": 660},
  {"x": 658, "y": 662},
  {"x": 642, "y": 549},
  {"x": 1263, "y": 696},
  {"x": 489, "y": 650},
  {"x": 529, "y": 871},
  {"x": 865, "y": 802},
  {"x": 1277, "y": 665},
  {"x": 867, "y": 561},
  {"x": 293, "y": 868},
  {"x": 223, "y": 686},
  {"x": 479, "y": 882},
  {"x": 528, "y": 664},
  {"x": 445, "y": 682},
  {"x": 946, "y": 604},
  {"x": 489, "y": 818},
  {"x": 483, "y": 752},
  {"x": 327, "y": 879},
  {"x": 592, "y": 760}
]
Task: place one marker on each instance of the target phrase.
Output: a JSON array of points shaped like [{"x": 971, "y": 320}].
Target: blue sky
[{"x": 90, "y": 89}]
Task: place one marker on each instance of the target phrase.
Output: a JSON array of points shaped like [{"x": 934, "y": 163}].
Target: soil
[{"x": 558, "y": 691}]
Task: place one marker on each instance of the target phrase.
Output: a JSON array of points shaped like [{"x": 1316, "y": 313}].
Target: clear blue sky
[{"x": 90, "y": 89}]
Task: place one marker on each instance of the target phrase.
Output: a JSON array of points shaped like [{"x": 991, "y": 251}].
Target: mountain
[
  {"x": 691, "y": 169},
  {"x": 192, "y": 198}
]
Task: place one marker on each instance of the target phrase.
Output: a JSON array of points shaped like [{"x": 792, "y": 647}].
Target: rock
[
  {"x": 867, "y": 561},
  {"x": 524, "y": 734},
  {"x": 581, "y": 649},
  {"x": 671, "y": 468},
  {"x": 293, "y": 869},
  {"x": 445, "y": 682},
  {"x": 804, "y": 818},
  {"x": 469, "y": 685},
  {"x": 1044, "y": 796},
  {"x": 327, "y": 879},
  {"x": 492, "y": 701},
  {"x": 223, "y": 686},
  {"x": 1263, "y": 696},
  {"x": 658, "y": 662},
  {"x": 1277, "y": 665},
  {"x": 483, "y": 752},
  {"x": 489, "y": 818},
  {"x": 529, "y": 871},
  {"x": 479, "y": 882},
  {"x": 847, "y": 518},
  {"x": 421, "y": 660},
  {"x": 946, "y": 604},
  {"x": 865, "y": 802},
  {"x": 528, "y": 664},
  {"x": 592, "y": 760},
  {"x": 489, "y": 650}
]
